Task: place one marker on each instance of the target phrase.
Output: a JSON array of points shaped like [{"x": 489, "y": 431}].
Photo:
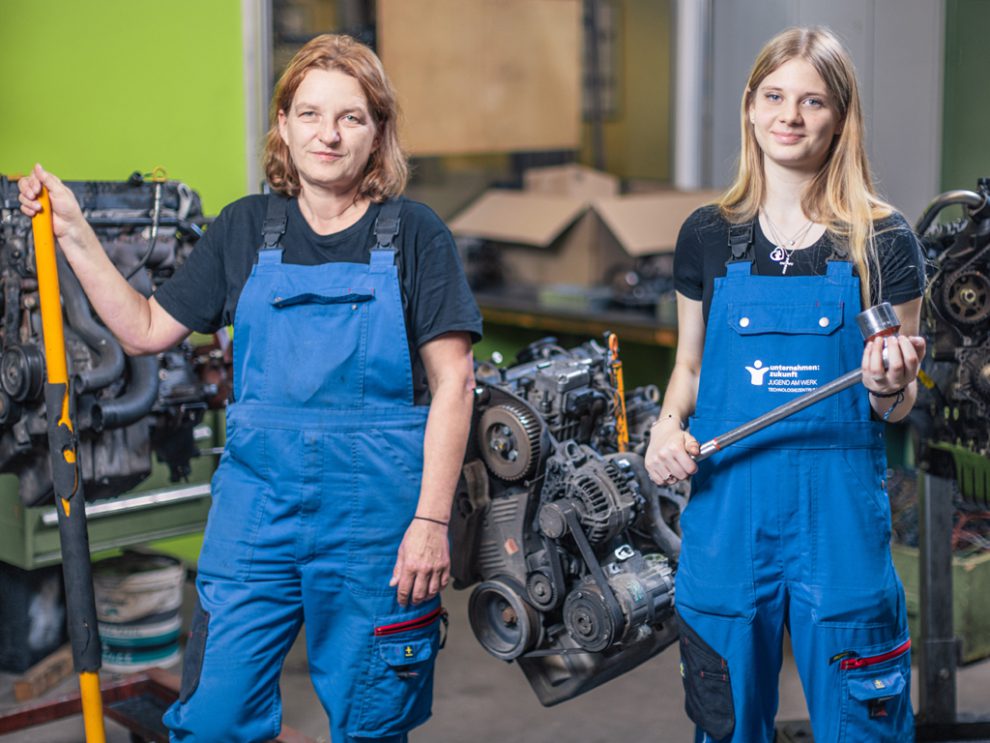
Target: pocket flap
[
  {"x": 406, "y": 653},
  {"x": 879, "y": 685},
  {"x": 753, "y": 318},
  {"x": 330, "y": 296}
]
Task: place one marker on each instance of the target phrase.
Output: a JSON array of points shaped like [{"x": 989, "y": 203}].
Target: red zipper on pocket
[
  {"x": 872, "y": 660},
  {"x": 411, "y": 624}
]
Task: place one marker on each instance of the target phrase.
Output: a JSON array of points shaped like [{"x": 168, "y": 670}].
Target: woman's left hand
[
  {"x": 422, "y": 568},
  {"x": 904, "y": 355}
]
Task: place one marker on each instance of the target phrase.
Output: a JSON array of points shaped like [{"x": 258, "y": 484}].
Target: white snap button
[
  {"x": 823, "y": 322},
  {"x": 743, "y": 322}
]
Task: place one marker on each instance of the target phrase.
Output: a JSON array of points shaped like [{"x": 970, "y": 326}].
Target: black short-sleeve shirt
[
  {"x": 703, "y": 249},
  {"x": 203, "y": 293}
]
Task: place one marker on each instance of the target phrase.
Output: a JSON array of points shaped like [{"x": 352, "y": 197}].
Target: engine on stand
[
  {"x": 126, "y": 408},
  {"x": 570, "y": 547},
  {"x": 953, "y": 410}
]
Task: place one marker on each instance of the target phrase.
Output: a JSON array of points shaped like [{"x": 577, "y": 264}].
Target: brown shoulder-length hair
[
  {"x": 386, "y": 173},
  {"x": 841, "y": 195}
]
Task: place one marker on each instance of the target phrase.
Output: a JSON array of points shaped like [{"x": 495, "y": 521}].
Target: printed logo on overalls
[{"x": 794, "y": 378}]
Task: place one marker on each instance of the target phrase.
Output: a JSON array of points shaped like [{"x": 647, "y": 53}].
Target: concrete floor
[{"x": 480, "y": 699}]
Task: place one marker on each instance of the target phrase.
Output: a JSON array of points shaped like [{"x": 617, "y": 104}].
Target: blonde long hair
[
  {"x": 841, "y": 195},
  {"x": 387, "y": 171}
]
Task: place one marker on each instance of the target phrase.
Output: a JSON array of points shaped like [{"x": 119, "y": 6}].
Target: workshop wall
[
  {"x": 99, "y": 89},
  {"x": 637, "y": 136},
  {"x": 966, "y": 107}
]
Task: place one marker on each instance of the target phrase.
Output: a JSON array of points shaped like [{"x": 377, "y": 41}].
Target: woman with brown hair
[
  {"x": 351, "y": 404},
  {"x": 790, "y": 528}
]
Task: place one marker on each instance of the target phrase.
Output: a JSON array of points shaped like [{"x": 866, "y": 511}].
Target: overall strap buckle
[
  {"x": 741, "y": 240},
  {"x": 275, "y": 220},
  {"x": 386, "y": 228},
  {"x": 387, "y": 224}
]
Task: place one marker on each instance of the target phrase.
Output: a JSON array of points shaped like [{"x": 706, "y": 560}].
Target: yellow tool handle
[
  {"x": 73, "y": 537},
  {"x": 48, "y": 290}
]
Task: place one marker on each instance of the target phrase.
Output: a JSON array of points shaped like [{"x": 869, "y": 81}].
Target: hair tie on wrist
[
  {"x": 899, "y": 395},
  {"x": 895, "y": 393},
  {"x": 432, "y": 521}
]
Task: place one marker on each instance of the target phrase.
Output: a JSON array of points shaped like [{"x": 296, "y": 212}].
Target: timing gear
[
  {"x": 966, "y": 297},
  {"x": 509, "y": 440}
]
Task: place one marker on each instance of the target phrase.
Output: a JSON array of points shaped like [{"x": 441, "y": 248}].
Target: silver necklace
[{"x": 785, "y": 247}]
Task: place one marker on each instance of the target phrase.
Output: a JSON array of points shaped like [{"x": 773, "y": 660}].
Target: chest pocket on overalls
[
  {"x": 783, "y": 351},
  {"x": 317, "y": 346}
]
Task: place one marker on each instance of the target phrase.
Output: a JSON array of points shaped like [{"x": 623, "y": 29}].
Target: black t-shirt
[
  {"x": 703, "y": 249},
  {"x": 203, "y": 293}
]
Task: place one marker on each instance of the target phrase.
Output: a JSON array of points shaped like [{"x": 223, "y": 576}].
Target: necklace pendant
[
  {"x": 778, "y": 254},
  {"x": 786, "y": 262}
]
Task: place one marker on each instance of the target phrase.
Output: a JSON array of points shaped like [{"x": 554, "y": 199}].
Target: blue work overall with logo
[
  {"x": 316, "y": 487},
  {"x": 789, "y": 528}
]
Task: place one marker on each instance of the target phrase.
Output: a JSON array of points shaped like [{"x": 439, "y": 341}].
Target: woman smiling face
[
  {"x": 329, "y": 131},
  {"x": 794, "y": 118}
]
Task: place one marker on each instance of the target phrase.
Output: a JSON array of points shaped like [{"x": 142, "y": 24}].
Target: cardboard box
[{"x": 569, "y": 225}]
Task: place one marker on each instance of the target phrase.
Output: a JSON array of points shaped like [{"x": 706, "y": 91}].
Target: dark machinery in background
[
  {"x": 126, "y": 407},
  {"x": 952, "y": 433},
  {"x": 953, "y": 411},
  {"x": 644, "y": 285},
  {"x": 570, "y": 547}
]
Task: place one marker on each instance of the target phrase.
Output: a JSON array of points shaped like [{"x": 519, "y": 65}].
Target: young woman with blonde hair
[{"x": 789, "y": 529}]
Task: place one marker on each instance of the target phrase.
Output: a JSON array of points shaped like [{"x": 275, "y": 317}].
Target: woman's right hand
[
  {"x": 669, "y": 455},
  {"x": 69, "y": 223}
]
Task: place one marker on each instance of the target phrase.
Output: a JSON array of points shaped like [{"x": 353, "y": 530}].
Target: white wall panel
[{"x": 897, "y": 48}]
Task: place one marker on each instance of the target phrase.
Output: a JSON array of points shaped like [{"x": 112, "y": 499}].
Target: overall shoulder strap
[
  {"x": 386, "y": 252},
  {"x": 275, "y": 219}
]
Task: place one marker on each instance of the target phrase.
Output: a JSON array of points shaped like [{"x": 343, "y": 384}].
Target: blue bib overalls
[
  {"x": 316, "y": 487},
  {"x": 790, "y": 527}
]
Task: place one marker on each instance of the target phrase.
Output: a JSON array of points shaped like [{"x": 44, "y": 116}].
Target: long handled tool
[
  {"x": 874, "y": 322},
  {"x": 69, "y": 502}
]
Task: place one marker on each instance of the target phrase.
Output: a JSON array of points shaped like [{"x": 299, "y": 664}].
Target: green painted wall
[
  {"x": 637, "y": 139},
  {"x": 966, "y": 108},
  {"x": 101, "y": 88}
]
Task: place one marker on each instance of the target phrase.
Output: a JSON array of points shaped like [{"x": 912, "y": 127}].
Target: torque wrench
[{"x": 875, "y": 322}]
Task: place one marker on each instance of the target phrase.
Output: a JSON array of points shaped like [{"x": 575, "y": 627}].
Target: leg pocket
[
  {"x": 192, "y": 660},
  {"x": 396, "y": 693},
  {"x": 876, "y": 700},
  {"x": 707, "y": 686}
]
